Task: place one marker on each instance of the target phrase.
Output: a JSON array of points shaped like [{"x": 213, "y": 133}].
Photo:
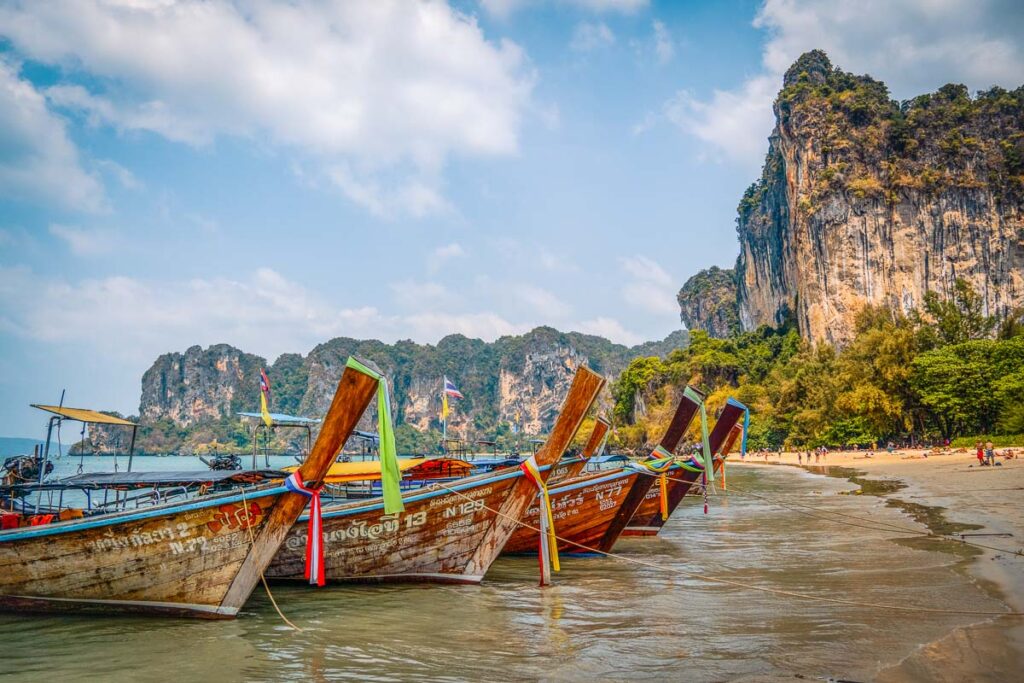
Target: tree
[{"x": 957, "y": 319}]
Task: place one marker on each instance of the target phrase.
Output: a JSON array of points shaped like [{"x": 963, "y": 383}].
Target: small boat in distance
[{"x": 198, "y": 557}]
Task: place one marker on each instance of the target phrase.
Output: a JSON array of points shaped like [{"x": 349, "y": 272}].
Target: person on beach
[
  {"x": 981, "y": 453},
  {"x": 800, "y": 457},
  {"x": 990, "y": 454}
]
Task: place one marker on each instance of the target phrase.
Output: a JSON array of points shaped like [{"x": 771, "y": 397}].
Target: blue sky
[{"x": 273, "y": 175}]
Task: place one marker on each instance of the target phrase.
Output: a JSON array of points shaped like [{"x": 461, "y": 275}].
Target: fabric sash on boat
[
  {"x": 390, "y": 476},
  {"x": 548, "y": 552},
  {"x": 314, "y": 533}
]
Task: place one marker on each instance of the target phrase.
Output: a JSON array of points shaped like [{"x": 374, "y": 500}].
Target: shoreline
[{"x": 948, "y": 493}]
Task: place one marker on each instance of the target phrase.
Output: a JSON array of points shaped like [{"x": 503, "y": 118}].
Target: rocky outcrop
[
  {"x": 516, "y": 382},
  {"x": 200, "y": 385},
  {"x": 867, "y": 200},
  {"x": 708, "y": 302}
]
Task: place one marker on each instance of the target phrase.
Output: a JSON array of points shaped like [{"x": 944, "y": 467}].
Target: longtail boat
[
  {"x": 448, "y": 532},
  {"x": 591, "y": 511},
  {"x": 650, "y": 518},
  {"x": 199, "y": 557}
]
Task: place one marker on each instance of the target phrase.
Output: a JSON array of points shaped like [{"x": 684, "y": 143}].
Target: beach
[{"x": 959, "y": 497}]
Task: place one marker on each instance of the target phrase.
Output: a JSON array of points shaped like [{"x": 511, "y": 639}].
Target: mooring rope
[
  {"x": 266, "y": 586},
  {"x": 877, "y": 525},
  {"x": 741, "y": 584}
]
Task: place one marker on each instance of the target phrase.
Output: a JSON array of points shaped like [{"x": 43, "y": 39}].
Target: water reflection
[{"x": 602, "y": 619}]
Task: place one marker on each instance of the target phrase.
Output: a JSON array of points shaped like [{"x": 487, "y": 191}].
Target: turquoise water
[{"x": 603, "y": 618}]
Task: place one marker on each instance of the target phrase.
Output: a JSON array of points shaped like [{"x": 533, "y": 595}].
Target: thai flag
[
  {"x": 450, "y": 390},
  {"x": 264, "y": 382}
]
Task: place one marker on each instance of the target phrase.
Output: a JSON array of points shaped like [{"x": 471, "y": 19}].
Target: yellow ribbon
[
  {"x": 552, "y": 541},
  {"x": 663, "y": 482},
  {"x": 532, "y": 472}
]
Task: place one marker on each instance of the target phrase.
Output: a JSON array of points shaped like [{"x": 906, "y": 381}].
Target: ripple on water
[{"x": 603, "y": 618}]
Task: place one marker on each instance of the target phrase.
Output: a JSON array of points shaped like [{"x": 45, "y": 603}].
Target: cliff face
[
  {"x": 199, "y": 385},
  {"x": 708, "y": 302},
  {"x": 865, "y": 200},
  {"x": 191, "y": 399}
]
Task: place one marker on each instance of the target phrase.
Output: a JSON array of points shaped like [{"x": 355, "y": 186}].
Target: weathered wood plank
[
  {"x": 648, "y": 520},
  {"x": 193, "y": 558}
]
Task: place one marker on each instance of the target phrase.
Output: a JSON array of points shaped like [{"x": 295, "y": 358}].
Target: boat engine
[{"x": 23, "y": 469}]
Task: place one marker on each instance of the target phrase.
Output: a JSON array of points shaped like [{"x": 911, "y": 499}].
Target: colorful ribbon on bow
[
  {"x": 314, "y": 532},
  {"x": 548, "y": 553}
]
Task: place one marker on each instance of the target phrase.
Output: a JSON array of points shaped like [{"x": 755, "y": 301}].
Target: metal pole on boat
[
  {"x": 42, "y": 461},
  {"x": 131, "y": 448}
]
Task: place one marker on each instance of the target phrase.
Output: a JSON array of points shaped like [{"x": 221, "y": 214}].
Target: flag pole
[{"x": 444, "y": 419}]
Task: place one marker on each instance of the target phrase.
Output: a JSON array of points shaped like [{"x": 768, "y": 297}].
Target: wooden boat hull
[
  {"x": 434, "y": 540},
  {"x": 197, "y": 558},
  {"x": 585, "y": 511},
  {"x": 448, "y": 533},
  {"x": 174, "y": 559},
  {"x": 648, "y": 520}
]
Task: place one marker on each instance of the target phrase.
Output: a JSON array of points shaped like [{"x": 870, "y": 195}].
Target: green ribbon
[
  {"x": 390, "y": 475},
  {"x": 706, "y": 460}
]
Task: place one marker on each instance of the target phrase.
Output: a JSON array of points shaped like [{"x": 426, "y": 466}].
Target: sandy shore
[{"x": 990, "y": 497}]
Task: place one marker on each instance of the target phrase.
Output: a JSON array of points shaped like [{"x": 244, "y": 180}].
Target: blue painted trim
[{"x": 120, "y": 517}]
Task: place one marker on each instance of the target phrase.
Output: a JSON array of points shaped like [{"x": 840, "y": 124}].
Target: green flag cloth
[
  {"x": 390, "y": 476},
  {"x": 707, "y": 461}
]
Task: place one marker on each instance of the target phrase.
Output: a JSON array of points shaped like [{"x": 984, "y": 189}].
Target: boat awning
[
  {"x": 285, "y": 420},
  {"x": 84, "y": 415},
  {"x": 151, "y": 479},
  {"x": 364, "y": 470}
]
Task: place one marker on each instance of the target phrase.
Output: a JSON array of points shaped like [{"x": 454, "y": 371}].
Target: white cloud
[
  {"x": 590, "y": 36},
  {"x": 914, "y": 46},
  {"x": 386, "y": 91},
  {"x": 540, "y": 303},
  {"x": 734, "y": 123},
  {"x": 420, "y": 295},
  {"x": 84, "y": 241},
  {"x": 126, "y": 178},
  {"x": 664, "y": 47},
  {"x": 265, "y": 313},
  {"x": 442, "y": 255},
  {"x": 650, "y": 288},
  {"x": 609, "y": 328},
  {"x": 39, "y": 161},
  {"x": 504, "y": 8}
]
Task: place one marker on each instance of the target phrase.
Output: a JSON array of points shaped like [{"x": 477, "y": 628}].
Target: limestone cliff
[
  {"x": 708, "y": 302},
  {"x": 198, "y": 385},
  {"x": 190, "y": 399},
  {"x": 866, "y": 200}
]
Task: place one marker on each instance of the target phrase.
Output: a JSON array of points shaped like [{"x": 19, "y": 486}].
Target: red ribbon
[{"x": 314, "y": 532}]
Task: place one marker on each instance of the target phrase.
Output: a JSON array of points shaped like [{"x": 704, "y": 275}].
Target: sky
[{"x": 272, "y": 175}]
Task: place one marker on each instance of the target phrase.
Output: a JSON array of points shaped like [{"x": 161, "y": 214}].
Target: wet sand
[{"x": 951, "y": 493}]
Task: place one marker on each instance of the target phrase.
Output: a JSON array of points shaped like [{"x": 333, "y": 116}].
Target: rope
[
  {"x": 266, "y": 586},
  {"x": 740, "y": 584},
  {"x": 876, "y": 524}
]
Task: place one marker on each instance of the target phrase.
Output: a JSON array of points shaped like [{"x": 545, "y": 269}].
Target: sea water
[{"x": 602, "y": 619}]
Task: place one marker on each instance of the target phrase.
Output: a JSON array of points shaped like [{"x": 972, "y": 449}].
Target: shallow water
[{"x": 603, "y": 618}]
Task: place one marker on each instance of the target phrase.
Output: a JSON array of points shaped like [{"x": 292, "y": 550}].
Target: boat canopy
[
  {"x": 366, "y": 470},
  {"x": 130, "y": 480},
  {"x": 285, "y": 420},
  {"x": 84, "y": 415}
]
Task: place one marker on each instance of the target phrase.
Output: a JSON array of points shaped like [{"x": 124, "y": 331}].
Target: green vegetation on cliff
[{"x": 934, "y": 373}]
